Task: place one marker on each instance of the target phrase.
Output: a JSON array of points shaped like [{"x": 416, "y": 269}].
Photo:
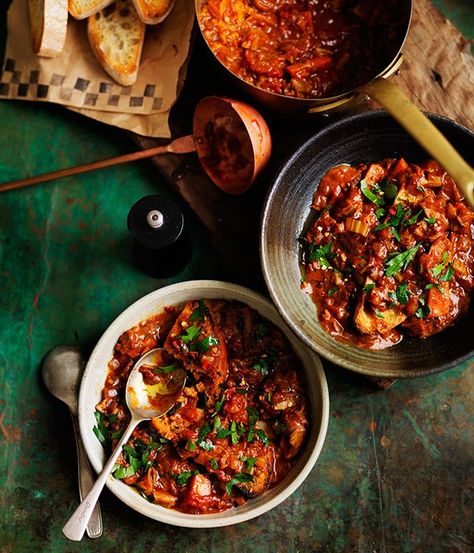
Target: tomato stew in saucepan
[
  {"x": 390, "y": 252},
  {"x": 239, "y": 424},
  {"x": 305, "y": 48}
]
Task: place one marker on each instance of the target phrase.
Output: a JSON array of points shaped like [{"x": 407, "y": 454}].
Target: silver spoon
[
  {"x": 145, "y": 401},
  {"x": 62, "y": 370}
]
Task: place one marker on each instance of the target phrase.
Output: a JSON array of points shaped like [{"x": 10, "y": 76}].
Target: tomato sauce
[
  {"x": 239, "y": 423},
  {"x": 389, "y": 252},
  {"x": 305, "y": 48}
]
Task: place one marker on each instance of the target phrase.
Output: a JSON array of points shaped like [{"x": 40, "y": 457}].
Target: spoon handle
[
  {"x": 75, "y": 527},
  {"x": 86, "y": 481}
]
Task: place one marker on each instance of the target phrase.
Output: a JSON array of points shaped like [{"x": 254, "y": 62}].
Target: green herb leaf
[
  {"x": 430, "y": 220},
  {"x": 322, "y": 253},
  {"x": 199, "y": 312},
  {"x": 380, "y": 212},
  {"x": 332, "y": 291},
  {"x": 222, "y": 432},
  {"x": 369, "y": 287},
  {"x": 233, "y": 433},
  {"x": 377, "y": 200},
  {"x": 165, "y": 369},
  {"x": 379, "y": 315},
  {"x": 183, "y": 477},
  {"x": 214, "y": 464},
  {"x": 448, "y": 275},
  {"x": 238, "y": 479},
  {"x": 389, "y": 189},
  {"x": 395, "y": 233},
  {"x": 190, "y": 334},
  {"x": 262, "y": 366},
  {"x": 403, "y": 294},
  {"x": 400, "y": 261},
  {"x": 263, "y": 437},
  {"x": 250, "y": 462},
  {"x": 436, "y": 271},
  {"x": 120, "y": 471},
  {"x": 423, "y": 311},
  {"x": 217, "y": 423},
  {"x": 204, "y": 345},
  {"x": 218, "y": 406},
  {"x": 414, "y": 218},
  {"x": 191, "y": 445},
  {"x": 201, "y": 441}
]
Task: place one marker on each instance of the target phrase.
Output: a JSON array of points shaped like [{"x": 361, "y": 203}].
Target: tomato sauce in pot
[
  {"x": 305, "y": 48},
  {"x": 389, "y": 253}
]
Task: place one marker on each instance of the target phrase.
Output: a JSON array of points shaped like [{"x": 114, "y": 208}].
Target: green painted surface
[
  {"x": 397, "y": 470},
  {"x": 460, "y": 12}
]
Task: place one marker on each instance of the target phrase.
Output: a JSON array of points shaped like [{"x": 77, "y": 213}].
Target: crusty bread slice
[
  {"x": 116, "y": 35},
  {"x": 152, "y": 12},
  {"x": 80, "y": 9},
  {"x": 48, "y": 21}
]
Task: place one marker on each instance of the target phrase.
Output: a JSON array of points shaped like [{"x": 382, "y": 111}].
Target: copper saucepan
[{"x": 388, "y": 95}]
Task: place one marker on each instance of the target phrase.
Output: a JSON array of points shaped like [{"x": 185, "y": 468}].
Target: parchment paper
[{"x": 76, "y": 80}]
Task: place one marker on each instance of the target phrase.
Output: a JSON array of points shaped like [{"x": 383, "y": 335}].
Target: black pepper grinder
[{"x": 161, "y": 247}]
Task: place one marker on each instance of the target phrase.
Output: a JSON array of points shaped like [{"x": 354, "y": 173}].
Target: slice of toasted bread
[
  {"x": 116, "y": 35},
  {"x": 48, "y": 21},
  {"x": 152, "y": 12},
  {"x": 80, "y": 9}
]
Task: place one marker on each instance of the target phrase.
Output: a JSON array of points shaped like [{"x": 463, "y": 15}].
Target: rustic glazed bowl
[
  {"x": 154, "y": 303},
  {"x": 365, "y": 137}
]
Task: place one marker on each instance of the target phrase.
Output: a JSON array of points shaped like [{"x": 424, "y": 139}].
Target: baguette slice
[
  {"x": 116, "y": 36},
  {"x": 48, "y": 21},
  {"x": 152, "y": 12},
  {"x": 80, "y": 9}
]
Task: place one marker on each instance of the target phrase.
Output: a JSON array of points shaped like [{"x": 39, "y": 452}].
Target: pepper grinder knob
[{"x": 161, "y": 246}]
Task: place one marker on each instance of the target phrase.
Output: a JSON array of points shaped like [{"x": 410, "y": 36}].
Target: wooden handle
[
  {"x": 393, "y": 99},
  {"x": 84, "y": 168}
]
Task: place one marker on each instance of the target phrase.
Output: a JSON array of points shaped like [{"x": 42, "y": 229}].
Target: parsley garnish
[
  {"x": 399, "y": 262},
  {"x": 249, "y": 462},
  {"x": 199, "y": 312},
  {"x": 214, "y": 464},
  {"x": 190, "y": 334},
  {"x": 332, "y": 291},
  {"x": 183, "y": 477},
  {"x": 262, "y": 366},
  {"x": 448, "y": 275},
  {"x": 376, "y": 199},
  {"x": 401, "y": 295},
  {"x": 379, "y": 315},
  {"x": 238, "y": 479},
  {"x": 430, "y": 220},
  {"x": 423, "y": 311},
  {"x": 323, "y": 254},
  {"x": 165, "y": 369},
  {"x": 204, "y": 443},
  {"x": 369, "y": 287},
  {"x": 263, "y": 437},
  {"x": 441, "y": 266},
  {"x": 253, "y": 418},
  {"x": 414, "y": 218},
  {"x": 205, "y": 344}
]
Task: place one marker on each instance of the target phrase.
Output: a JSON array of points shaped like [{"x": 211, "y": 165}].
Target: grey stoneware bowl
[{"x": 369, "y": 136}]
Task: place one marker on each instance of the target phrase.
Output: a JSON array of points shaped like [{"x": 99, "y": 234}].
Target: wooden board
[{"x": 437, "y": 74}]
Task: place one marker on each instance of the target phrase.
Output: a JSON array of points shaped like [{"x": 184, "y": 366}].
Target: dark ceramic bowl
[{"x": 369, "y": 136}]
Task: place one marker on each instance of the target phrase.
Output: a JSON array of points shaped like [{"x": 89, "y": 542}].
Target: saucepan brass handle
[{"x": 394, "y": 100}]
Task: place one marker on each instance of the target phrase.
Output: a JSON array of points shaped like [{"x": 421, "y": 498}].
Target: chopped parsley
[
  {"x": 379, "y": 315},
  {"x": 262, "y": 436},
  {"x": 249, "y": 462},
  {"x": 101, "y": 431},
  {"x": 201, "y": 439},
  {"x": 374, "y": 198},
  {"x": 190, "y": 334},
  {"x": 183, "y": 477},
  {"x": 332, "y": 291},
  {"x": 401, "y": 294},
  {"x": 423, "y": 311},
  {"x": 214, "y": 464},
  {"x": 439, "y": 270},
  {"x": 165, "y": 369},
  {"x": 206, "y": 343},
  {"x": 199, "y": 312},
  {"x": 136, "y": 457},
  {"x": 323, "y": 254},
  {"x": 400, "y": 261},
  {"x": 369, "y": 287},
  {"x": 262, "y": 366},
  {"x": 239, "y": 478},
  {"x": 431, "y": 220}
]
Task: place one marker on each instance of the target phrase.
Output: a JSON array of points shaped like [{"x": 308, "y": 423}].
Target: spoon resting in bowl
[{"x": 151, "y": 391}]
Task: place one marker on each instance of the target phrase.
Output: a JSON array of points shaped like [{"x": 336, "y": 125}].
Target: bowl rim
[
  {"x": 128, "y": 495},
  {"x": 373, "y": 114}
]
